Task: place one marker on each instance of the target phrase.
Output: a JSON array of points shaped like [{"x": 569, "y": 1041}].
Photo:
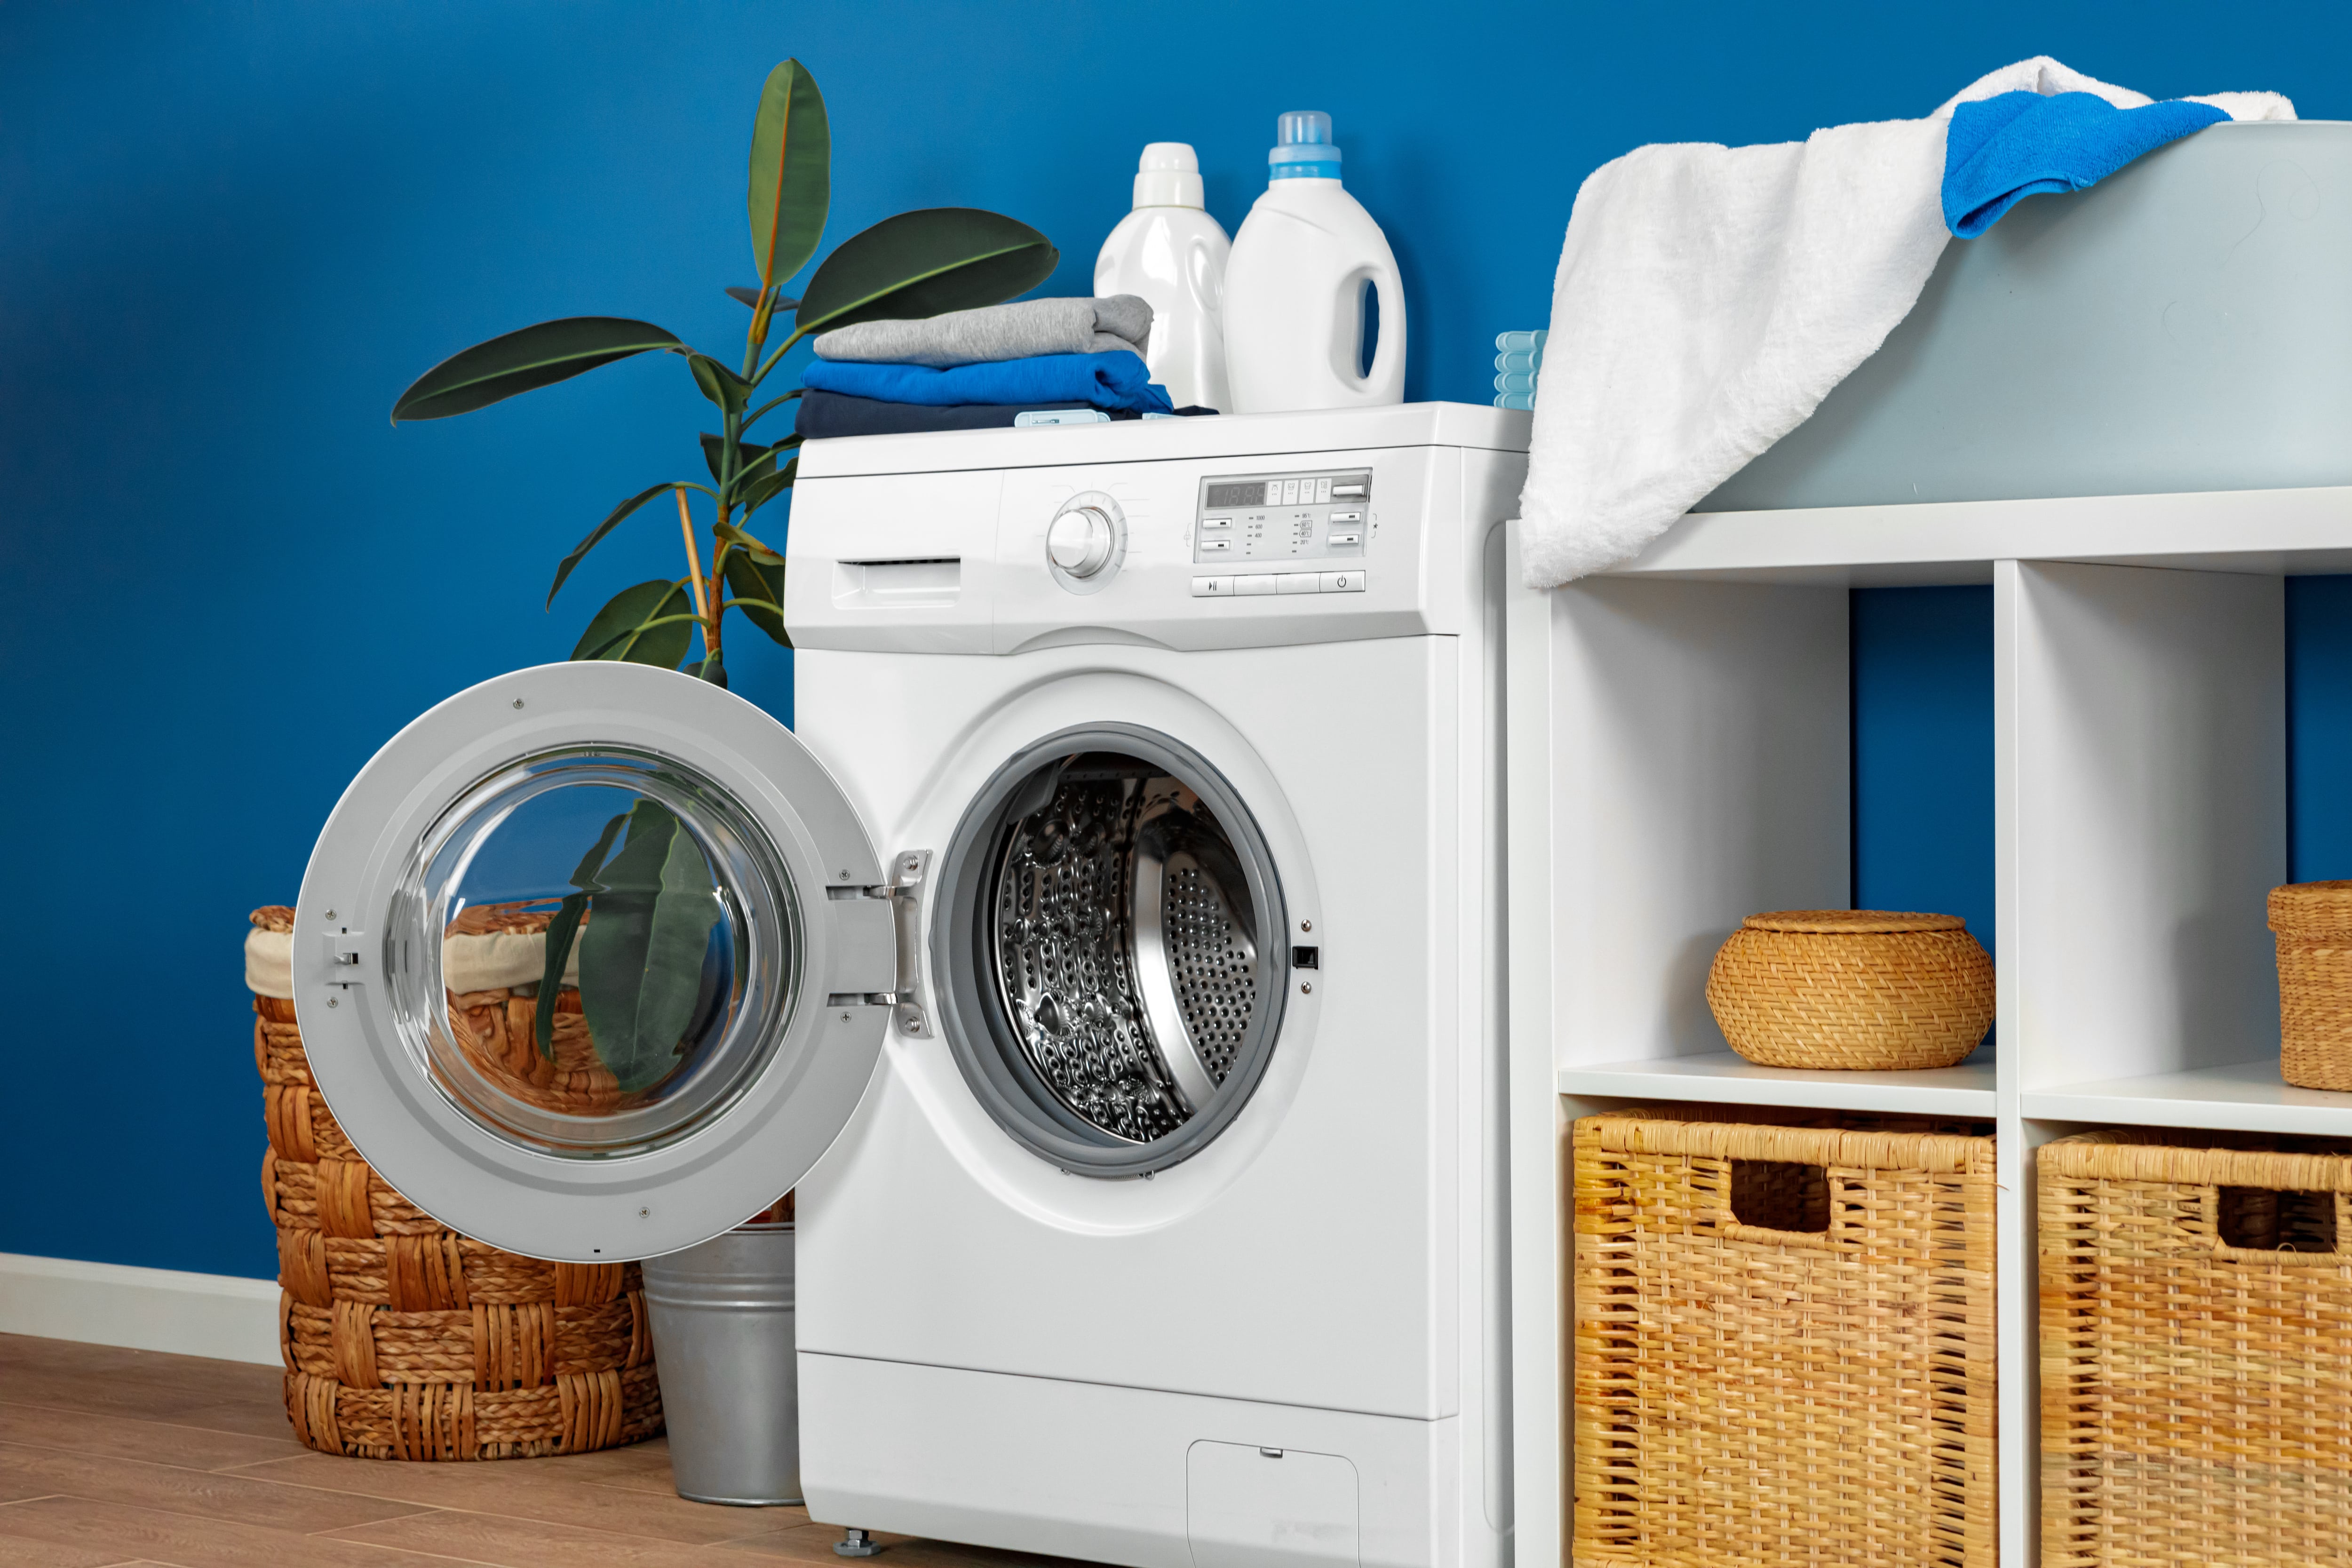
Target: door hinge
[{"x": 909, "y": 870}]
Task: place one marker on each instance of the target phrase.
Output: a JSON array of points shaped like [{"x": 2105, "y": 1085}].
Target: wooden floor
[{"x": 129, "y": 1457}]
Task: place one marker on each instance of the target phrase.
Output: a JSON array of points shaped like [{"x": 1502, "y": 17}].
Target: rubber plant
[
  {"x": 643, "y": 916},
  {"x": 916, "y": 264}
]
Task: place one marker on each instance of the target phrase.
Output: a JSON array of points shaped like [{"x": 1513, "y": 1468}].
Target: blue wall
[{"x": 230, "y": 233}]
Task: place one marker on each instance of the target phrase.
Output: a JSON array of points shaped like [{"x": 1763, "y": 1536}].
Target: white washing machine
[{"x": 1112, "y": 961}]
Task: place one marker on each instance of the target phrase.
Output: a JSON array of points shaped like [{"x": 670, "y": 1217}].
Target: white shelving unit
[{"x": 1679, "y": 749}]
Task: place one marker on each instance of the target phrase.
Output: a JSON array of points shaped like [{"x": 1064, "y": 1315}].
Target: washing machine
[{"x": 1111, "y": 960}]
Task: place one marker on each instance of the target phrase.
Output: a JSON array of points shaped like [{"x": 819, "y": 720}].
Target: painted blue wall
[{"x": 229, "y": 233}]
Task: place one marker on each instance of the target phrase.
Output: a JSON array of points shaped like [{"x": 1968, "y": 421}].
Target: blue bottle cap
[{"x": 1305, "y": 151}]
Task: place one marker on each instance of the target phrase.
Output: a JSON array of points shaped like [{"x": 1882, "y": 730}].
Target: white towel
[{"x": 1708, "y": 297}]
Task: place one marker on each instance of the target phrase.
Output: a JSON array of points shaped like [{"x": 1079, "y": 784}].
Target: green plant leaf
[
  {"x": 719, "y": 384},
  {"x": 533, "y": 357},
  {"x": 642, "y": 955},
  {"x": 561, "y": 932},
  {"x": 746, "y": 453},
  {"x": 596, "y": 535},
  {"x": 748, "y": 578},
  {"x": 768, "y": 555},
  {"x": 924, "y": 262},
  {"x": 792, "y": 173},
  {"x": 620, "y": 630},
  {"x": 770, "y": 487}
]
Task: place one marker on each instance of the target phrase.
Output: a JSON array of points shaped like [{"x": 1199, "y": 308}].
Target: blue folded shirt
[
  {"x": 1116, "y": 380},
  {"x": 2000, "y": 150}
]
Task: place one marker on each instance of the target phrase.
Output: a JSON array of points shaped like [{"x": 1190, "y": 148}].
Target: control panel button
[
  {"x": 1353, "y": 489},
  {"x": 1216, "y": 522},
  {"x": 1216, "y": 546},
  {"x": 1350, "y": 516},
  {"x": 1299, "y": 582},
  {"x": 1212, "y": 587},
  {"x": 1342, "y": 582},
  {"x": 1322, "y": 491},
  {"x": 1255, "y": 584},
  {"x": 1345, "y": 536}
]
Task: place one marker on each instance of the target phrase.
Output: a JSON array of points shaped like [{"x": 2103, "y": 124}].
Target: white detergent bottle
[
  {"x": 1305, "y": 267},
  {"x": 1169, "y": 251}
]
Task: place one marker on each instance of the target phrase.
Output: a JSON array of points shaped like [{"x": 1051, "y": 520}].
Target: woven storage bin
[
  {"x": 2196, "y": 1382},
  {"x": 406, "y": 1341},
  {"x": 2313, "y": 922},
  {"x": 1851, "y": 988},
  {"x": 1816, "y": 1388}
]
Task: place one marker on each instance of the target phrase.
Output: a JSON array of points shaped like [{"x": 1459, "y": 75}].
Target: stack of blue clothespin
[{"x": 1518, "y": 360}]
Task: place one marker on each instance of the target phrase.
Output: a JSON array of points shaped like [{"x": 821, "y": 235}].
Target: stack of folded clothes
[{"x": 972, "y": 369}]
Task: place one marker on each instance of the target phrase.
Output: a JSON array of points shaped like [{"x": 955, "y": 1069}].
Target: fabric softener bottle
[
  {"x": 1309, "y": 269},
  {"x": 1170, "y": 252}
]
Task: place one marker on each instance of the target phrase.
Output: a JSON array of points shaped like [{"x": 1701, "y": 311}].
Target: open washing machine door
[{"x": 593, "y": 960}]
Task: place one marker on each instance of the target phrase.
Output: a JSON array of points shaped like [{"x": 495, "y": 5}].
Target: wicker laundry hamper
[
  {"x": 403, "y": 1339},
  {"x": 2195, "y": 1350},
  {"x": 1783, "y": 1347}
]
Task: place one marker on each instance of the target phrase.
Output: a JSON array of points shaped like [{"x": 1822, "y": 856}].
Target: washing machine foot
[{"x": 857, "y": 1543}]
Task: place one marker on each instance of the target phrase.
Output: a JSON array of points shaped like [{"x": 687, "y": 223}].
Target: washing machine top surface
[{"x": 1157, "y": 440}]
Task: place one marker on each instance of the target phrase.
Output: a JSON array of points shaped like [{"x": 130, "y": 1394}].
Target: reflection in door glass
[{"x": 596, "y": 952}]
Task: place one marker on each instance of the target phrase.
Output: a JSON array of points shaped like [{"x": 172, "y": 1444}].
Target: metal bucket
[{"x": 723, "y": 1338}]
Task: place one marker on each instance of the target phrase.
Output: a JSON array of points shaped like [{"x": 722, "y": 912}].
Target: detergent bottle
[
  {"x": 1307, "y": 269},
  {"x": 1169, "y": 251}
]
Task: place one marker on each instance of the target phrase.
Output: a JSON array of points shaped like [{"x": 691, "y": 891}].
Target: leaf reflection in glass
[{"x": 642, "y": 955}]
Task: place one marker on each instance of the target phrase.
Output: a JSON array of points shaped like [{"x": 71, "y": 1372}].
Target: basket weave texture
[
  {"x": 1852, "y": 989},
  {"x": 1818, "y": 1388},
  {"x": 2196, "y": 1389},
  {"x": 2312, "y": 923},
  {"x": 403, "y": 1339}
]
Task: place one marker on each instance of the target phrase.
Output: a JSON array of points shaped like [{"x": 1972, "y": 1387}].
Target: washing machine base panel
[{"x": 1127, "y": 1475}]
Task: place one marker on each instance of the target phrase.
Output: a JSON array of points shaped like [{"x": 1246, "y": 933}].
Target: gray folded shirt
[{"x": 996, "y": 332}]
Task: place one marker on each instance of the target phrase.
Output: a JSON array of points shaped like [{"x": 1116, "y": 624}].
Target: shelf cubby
[{"x": 1680, "y": 756}]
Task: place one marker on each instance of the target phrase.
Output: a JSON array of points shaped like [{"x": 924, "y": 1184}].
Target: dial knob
[{"x": 1080, "y": 541}]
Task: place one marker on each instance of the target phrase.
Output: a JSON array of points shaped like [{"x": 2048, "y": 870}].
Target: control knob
[{"x": 1080, "y": 541}]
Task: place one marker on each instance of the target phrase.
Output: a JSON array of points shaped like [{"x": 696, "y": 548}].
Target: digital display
[{"x": 1253, "y": 494}]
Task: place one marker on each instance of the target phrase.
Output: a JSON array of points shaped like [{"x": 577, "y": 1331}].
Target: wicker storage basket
[
  {"x": 2314, "y": 924},
  {"x": 1851, "y": 988},
  {"x": 406, "y": 1341},
  {"x": 2196, "y": 1381},
  {"x": 1783, "y": 1343}
]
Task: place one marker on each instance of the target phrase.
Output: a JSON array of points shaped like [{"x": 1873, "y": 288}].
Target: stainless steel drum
[{"x": 1113, "y": 961}]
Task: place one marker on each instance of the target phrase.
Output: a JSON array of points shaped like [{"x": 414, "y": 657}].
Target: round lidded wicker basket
[
  {"x": 2312, "y": 923},
  {"x": 403, "y": 1339},
  {"x": 1869, "y": 989}
]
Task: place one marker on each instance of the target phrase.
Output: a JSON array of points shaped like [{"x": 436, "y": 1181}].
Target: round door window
[
  {"x": 1111, "y": 950},
  {"x": 594, "y": 953}
]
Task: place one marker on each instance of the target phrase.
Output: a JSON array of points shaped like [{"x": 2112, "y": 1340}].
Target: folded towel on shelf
[
  {"x": 1708, "y": 297},
  {"x": 1022, "y": 329},
  {"x": 825, "y": 414},
  {"x": 2000, "y": 150},
  {"x": 1105, "y": 379}
]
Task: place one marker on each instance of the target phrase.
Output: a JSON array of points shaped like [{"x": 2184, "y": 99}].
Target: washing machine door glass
[{"x": 592, "y": 961}]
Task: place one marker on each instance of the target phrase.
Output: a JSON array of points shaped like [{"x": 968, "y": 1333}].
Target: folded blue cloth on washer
[
  {"x": 825, "y": 414},
  {"x": 2000, "y": 150},
  {"x": 1116, "y": 380}
]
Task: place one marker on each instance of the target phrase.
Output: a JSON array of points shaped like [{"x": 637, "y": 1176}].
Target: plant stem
[{"x": 694, "y": 571}]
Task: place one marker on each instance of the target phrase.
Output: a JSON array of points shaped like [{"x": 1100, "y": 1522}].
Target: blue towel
[
  {"x": 2000, "y": 150},
  {"x": 1115, "y": 380}
]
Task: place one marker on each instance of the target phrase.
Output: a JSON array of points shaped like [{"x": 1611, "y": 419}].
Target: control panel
[{"x": 1281, "y": 533}]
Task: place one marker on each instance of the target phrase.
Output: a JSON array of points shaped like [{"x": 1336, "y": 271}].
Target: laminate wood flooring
[{"x": 125, "y": 1458}]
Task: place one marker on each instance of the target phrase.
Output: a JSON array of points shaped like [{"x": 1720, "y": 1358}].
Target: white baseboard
[{"x": 216, "y": 1315}]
